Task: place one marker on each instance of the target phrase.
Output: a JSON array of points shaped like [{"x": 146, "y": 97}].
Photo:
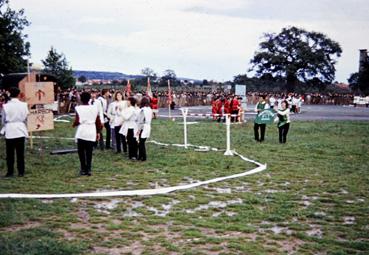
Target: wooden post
[
  {"x": 228, "y": 151},
  {"x": 184, "y": 113}
]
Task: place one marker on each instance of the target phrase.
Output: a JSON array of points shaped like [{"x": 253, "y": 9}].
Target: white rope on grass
[
  {"x": 51, "y": 137},
  {"x": 149, "y": 192}
]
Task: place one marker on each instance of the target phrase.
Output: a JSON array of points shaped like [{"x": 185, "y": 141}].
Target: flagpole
[
  {"x": 169, "y": 100},
  {"x": 148, "y": 88},
  {"x": 29, "y": 80}
]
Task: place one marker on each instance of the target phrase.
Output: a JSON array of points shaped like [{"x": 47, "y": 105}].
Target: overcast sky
[{"x": 203, "y": 39}]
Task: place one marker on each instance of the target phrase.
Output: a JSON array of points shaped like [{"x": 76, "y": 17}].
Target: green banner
[{"x": 265, "y": 117}]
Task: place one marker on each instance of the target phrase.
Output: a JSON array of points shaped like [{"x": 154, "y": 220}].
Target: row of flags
[{"x": 128, "y": 90}]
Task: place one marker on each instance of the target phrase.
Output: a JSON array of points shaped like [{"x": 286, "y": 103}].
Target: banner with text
[
  {"x": 265, "y": 117},
  {"x": 40, "y": 120}
]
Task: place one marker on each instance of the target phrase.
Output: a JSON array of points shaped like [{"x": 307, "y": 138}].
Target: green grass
[{"x": 313, "y": 197}]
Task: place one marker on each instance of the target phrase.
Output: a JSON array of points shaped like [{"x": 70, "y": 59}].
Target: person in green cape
[
  {"x": 283, "y": 122},
  {"x": 258, "y": 125}
]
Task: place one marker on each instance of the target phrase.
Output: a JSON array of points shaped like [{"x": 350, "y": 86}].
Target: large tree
[
  {"x": 297, "y": 54},
  {"x": 13, "y": 46},
  {"x": 149, "y": 73},
  {"x": 56, "y": 64},
  {"x": 170, "y": 75}
]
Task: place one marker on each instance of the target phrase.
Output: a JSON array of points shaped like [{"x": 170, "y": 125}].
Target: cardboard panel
[
  {"x": 38, "y": 92},
  {"x": 40, "y": 120}
]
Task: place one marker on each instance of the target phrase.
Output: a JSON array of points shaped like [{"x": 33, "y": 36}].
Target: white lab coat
[
  {"x": 86, "y": 129},
  {"x": 14, "y": 119},
  {"x": 97, "y": 103},
  {"x": 104, "y": 105},
  {"x": 129, "y": 115},
  {"x": 115, "y": 111},
  {"x": 144, "y": 122}
]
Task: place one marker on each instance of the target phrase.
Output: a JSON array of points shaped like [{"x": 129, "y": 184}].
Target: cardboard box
[
  {"x": 37, "y": 92},
  {"x": 40, "y": 120}
]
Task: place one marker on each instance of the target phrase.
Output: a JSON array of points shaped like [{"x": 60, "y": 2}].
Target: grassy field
[{"x": 312, "y": 199}]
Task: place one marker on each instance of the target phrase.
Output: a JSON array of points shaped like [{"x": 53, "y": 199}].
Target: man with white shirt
[
  {"x": 104, "y": 102},
  {"x": 14, "y": 118},
  {"x": 94, "y": 101}
]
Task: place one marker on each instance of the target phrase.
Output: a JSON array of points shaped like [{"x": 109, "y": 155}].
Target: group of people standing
[
  {"x": 127, "y": 123},
  {"x": 294, "y": 101},
  {"x": 223, "y": 105},
  {"x": 126, "y": 117},
  {"x": 282, "y": 117}
]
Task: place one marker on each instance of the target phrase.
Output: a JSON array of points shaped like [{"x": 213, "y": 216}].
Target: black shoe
[
  {"x": 88, "y": 174},
  {"x": 82, "y": 173},
  {"x": 9, "y": 175},
  {"x": 20, "y": 175}
]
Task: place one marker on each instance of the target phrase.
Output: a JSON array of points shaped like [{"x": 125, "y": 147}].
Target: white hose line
[
  {"x": 52, "y": 137},
  {"x": 148, "y": 192}
]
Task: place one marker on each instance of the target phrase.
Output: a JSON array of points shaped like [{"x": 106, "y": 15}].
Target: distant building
[{"x": 364, "y": 59}]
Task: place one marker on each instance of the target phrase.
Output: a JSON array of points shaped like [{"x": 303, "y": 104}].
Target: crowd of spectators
[{"x": 69, "y": 98}]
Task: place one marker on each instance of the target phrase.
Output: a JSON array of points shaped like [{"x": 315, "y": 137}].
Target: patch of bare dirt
[
  {"x": 15, "y": 228},
  {"x": 135, "y": 248},
  {"x": 290, "y": 246}
]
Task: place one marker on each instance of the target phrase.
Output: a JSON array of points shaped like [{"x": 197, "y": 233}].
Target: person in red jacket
[
  {"x": 154, "y": 102},
  {"x": 227, "y": 106},
  {"x": 219, "y": 105},
  {"x": 214, "y": 107},
  {"x": 235, "y": 106}
]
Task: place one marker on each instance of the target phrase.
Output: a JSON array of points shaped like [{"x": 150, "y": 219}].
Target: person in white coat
[
  {"x": 88, "y": 125},
  {"x": 115, "y": 111},
  {"x": 14, "y": 117},
  {"x": 130, "y": 128},
  {"x": 144, "y": 127},
  {"x": 98, "y": 104},
  {"x": 105, "y": 94}
]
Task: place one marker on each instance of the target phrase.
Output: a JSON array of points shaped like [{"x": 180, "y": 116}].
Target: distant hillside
[{"x": 98, "y": 75}]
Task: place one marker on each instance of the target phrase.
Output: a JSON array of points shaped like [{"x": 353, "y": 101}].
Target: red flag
[
  {"x": 148, "y": 90},
  {"x": 170, "y": 99},
  {"x": 128, "y": 88}
]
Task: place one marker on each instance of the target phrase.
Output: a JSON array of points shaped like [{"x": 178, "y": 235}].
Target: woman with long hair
[
  {"x": 115, "y": 111},
  {"x": 144, "y": 127},
  {"x": 130, "y": 128}
]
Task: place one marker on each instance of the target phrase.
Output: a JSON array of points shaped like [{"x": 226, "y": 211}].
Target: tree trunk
[{"x": 291, "y": 82}]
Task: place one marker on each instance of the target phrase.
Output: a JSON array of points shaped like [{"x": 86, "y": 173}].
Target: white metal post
[
  {"x": 228, "y": 151},
  {"x": 184, "y": 113}
]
